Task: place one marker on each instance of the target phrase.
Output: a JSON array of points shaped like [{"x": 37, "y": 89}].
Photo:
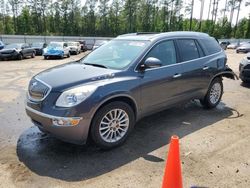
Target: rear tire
[
  {"x": 20, "y": 57},
  {"x": 68, "y": 55},
  {"x": 112, "y": 124},
  {"x": 245, "y": 81},
  {"x": 33, "y": 55},
  {"x": 214, "y": 94}
]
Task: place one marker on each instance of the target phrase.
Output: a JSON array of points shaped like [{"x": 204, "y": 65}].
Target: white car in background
[
  {"x": 233, "y": 45},
  {"x": 74, "y": 47}
]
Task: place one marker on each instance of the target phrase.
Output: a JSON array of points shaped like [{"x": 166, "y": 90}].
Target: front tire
[
  {"x": 214, "y": 94},
  {"x": 112, "y": 124}
]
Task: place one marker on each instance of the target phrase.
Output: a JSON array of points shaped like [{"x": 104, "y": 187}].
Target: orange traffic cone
[{"x": 172, "y": 177}]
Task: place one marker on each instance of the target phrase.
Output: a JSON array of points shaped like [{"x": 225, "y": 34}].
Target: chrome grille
[{"x": 38, "y": 90}]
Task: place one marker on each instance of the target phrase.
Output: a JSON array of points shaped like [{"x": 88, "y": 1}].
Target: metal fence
[{"x": 90, "y": 41}]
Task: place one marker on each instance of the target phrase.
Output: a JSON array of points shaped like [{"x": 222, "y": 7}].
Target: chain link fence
[{"x": 90, "y": 41}]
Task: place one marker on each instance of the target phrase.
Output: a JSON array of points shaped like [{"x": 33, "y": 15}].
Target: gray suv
[{"x": 104, "y": 94}]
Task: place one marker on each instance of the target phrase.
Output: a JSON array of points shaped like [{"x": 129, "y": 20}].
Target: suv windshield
[
  {"x": 55, "y": 45},
  {"x": 116, "y": 54},
  {"x": 72, "y": 43}
]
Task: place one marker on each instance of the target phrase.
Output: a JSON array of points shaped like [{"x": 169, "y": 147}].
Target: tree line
[{"x": 113, "y": 17}]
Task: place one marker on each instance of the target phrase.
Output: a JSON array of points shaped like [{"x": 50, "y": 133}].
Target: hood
[
  {"x": 52, "y": 49},
  {"x": 244, "y": 47},
  {"x": 72, "y": 74},
  {"x": 9, "y": 50}
]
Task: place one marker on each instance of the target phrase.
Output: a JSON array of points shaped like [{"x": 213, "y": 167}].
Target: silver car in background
[{"x": 244, "y": 48}]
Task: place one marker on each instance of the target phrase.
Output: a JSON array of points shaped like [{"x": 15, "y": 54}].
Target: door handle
[
  {"x": 177, "y": 75},
  {"x": 206, "y": 68}
]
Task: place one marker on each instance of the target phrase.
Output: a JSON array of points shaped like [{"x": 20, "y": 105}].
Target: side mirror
[{"x": 151, "y": 62}]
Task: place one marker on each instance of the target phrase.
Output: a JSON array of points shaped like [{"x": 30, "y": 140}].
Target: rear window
[
  {"x": 188, "y": 49},
  {"x": 211, "y": 46}
]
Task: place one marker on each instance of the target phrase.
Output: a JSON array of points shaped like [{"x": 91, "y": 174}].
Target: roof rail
[
  {"x": 138, "y": 33},
  {"x": 146, "y": 33}
]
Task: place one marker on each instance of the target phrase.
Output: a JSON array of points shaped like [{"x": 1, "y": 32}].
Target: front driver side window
[{"x": 165, "y": 52}]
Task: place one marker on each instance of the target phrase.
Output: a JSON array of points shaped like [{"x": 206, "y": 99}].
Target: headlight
[{"x": 75, "y": 96}]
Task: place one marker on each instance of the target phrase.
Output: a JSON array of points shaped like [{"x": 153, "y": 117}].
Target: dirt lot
[{"x": 215, "y": 145}]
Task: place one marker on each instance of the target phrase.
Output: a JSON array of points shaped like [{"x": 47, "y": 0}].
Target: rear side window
[
  {"x": 211, "y": 45},
  {"x": 164, "y": 51},
  {"x": 188, "y": 49}
]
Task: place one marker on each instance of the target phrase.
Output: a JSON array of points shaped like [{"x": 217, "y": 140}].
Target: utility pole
[
  {"x": 191, "y": 16},
  {"x": 201, "y": 13},
  {"x": 237, "y": 18}
]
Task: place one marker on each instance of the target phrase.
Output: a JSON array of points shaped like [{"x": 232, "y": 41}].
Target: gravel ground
[{"x": 215, "y": 144}]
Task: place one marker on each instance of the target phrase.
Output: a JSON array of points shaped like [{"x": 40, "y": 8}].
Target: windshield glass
[
  {"x": 116, "y": 54},
  {"x": 17, "y": 46},
  {"x": 39, "y": 45},
  {"x": 72, "y": 43},
  {"x": 99, "y": 43},
  {"x": 55, "y": 45}
]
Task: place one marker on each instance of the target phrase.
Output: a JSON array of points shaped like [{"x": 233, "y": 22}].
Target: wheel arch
[
  {"x": 121, "y": 98},
  {"x": 228, "y": 73}
]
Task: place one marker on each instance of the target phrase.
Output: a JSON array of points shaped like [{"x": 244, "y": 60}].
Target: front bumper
[
  {"x": 8, "y": 56},
  {"x": 76, "y": 134},
  {"x": 53, "y": 53},
  {"x": 245, "y": 74}
]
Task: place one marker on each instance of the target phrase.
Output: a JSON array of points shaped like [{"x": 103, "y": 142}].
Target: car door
[
  {"x": 194, "y": 67},
  {"x": 24, "y": 50},
  {"x": 29, "y": 50},
  {"x": 161, "y": 86}
]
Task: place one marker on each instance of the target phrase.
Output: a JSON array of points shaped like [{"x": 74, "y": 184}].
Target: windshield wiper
[{"x": 96, "y": 65}]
